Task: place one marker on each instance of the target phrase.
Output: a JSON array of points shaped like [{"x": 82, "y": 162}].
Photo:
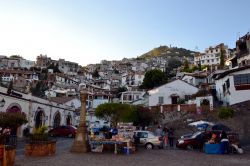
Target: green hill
[{"x": 164, "y": 51}]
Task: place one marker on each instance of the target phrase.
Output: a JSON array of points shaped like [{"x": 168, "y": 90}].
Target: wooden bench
[{"x": 3, "y": 155}]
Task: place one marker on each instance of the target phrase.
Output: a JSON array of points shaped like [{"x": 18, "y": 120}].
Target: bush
[{"x": 225, "y": 113}]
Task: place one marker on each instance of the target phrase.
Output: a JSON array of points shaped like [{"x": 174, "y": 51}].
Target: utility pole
[{"x": 80, "y": 142}]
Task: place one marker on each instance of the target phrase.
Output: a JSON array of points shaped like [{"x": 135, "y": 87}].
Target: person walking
[{"x": 171, "y": 137}]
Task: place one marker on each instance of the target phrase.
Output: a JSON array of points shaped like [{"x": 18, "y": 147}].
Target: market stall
[{"x": 120, "y": 142}]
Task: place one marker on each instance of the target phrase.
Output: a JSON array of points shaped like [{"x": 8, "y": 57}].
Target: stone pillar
[{"x": 80, "y": 142}]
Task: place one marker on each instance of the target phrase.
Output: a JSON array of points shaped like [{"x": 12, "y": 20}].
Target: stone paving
[{"x": 141, "y": 158}]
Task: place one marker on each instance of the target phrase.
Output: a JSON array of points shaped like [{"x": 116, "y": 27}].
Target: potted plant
[
  {"x": 39, "y": 143},
  {"x": 8, "y": 121}
]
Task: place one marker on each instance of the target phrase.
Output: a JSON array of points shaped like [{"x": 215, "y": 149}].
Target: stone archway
[
  {"x": 57, "y": 119},
  {"x": 39, "y": 119},
  {"x": 14, "y": 108},
  {"x": 69, "y": 119}
]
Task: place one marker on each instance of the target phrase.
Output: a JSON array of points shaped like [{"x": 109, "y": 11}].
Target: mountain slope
[{"x": 164, "y": 51}]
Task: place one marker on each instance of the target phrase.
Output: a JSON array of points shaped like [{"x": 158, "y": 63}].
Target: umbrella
[
  {"x": 201, "y": 122},
  {"x": 221, "y": 127}
]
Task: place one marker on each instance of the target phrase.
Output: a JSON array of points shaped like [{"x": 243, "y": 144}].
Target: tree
[
  {"x": 11, "y": 120},
  {"x": 96, "y": 74},
  {"x": 120, "y": 90},
  {"x": 144, "y": 116},
  {"x": 186, "y": 64},
  {"x": 154, "y": 78},
  {"x": 55, "y": 68},
  {"x": 222, "y": 56},
  {"x": 174, "y": 63},
  {"x": 116, "y": 112}
]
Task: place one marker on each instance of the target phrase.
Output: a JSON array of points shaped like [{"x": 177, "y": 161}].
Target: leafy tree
[
  {"x": 154, "y": 78},
  {"x": 11, "y": 120},
  {"x": 174, "y": 63},
  {"x": 54, "y": 67},
  {"x": 39, "y": 89},
  {"x": 144, "y": 116},
  {"x": 116, "y": 112},
  {"x": 119, "y": 90}
]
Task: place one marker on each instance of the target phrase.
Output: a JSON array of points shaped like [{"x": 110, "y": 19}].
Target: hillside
[{"x": 164, "y": 51}]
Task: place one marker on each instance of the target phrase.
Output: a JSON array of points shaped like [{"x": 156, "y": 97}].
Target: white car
[{"x": 148, "y": 139}]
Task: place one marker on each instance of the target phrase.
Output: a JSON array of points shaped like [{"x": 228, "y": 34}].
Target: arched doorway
[
  {"x": 69, "y": 119},
  {"x": 57, "y": 120},
  {"x": 14, "y": 109},
  {"x": 39, "y": 119}
]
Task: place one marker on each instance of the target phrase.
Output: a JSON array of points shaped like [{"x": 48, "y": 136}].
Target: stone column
[{"x": 80, "y": 142}]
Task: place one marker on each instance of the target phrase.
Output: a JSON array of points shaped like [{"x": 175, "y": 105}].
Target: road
[
  {"x": 62, "y": 145},
  {"x": 155, "y": 157}
]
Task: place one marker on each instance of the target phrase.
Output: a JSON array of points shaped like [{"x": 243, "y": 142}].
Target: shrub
[{"x": 225, "y": 113}]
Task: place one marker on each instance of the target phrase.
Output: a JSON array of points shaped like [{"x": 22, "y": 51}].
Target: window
[
  {"x": 242, "y": 79},
  {"x": 142, "y": 135},
  {"x": 212, "y": 60},
  {"x": 161, "y": 100},
  {"x": 207, "y": 61}
]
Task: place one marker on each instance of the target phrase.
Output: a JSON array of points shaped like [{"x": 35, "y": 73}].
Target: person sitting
[
  {"x": 224, "y": 140},
  {"x": 213, "y": 139}
]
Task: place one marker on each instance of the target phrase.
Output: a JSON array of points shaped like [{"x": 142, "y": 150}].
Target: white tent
[{"x": 200, "y": 123}]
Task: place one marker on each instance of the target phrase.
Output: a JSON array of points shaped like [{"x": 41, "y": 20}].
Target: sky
[{"x": 88, "y": 31}]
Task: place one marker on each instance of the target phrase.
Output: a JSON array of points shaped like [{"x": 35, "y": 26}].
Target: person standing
[
  {"x": 158, "y": 131},
  {"x": 171, "y": 137},
  {"x": 165, "y": 137}
]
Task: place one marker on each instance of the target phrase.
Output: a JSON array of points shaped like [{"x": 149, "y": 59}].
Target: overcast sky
[{"x": 88, "y": 31}]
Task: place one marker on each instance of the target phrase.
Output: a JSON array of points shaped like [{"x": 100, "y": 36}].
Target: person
[
  {"x": 165, "y": 137},
  {"x": 213, "y": 139},
  {"x": 224, "y": 140},
  {"x": 158, "y": 131},
  {"x": 136, "y": 139},
  {"x": 171, "y": 137}
]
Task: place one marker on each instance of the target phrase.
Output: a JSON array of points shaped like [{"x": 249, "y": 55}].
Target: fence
[{"x": 175, "y": 107}]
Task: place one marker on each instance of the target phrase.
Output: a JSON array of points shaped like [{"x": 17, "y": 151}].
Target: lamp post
[{"x": 80, "y": 142}]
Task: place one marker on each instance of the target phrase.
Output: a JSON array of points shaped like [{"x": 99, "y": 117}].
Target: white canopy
[{"x": 200, "y": 122}]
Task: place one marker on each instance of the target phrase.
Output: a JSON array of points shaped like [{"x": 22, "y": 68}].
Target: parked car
[
  {"x": 148, "y": 139},
  {"x": 197, "y": 139},
  {"x": 191, "y": 141},
  {"x": 63, "y": 131}
]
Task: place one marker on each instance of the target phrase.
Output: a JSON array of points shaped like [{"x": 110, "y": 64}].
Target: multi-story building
[
  {"x": 211, "y": 56},
  {"x": 243, "y": 50},
  {"x": 69, "y": 68},
  {"x": 43, "y": 61}
]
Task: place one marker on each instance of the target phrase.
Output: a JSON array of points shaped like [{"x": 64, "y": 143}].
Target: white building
[
  {"x": 38, "y": 111},
  {"x": 170, "y": 93},
  {"x": 211, "y": 56},
  {"x": 196, "y": 79},
  {"x": 130, "y": 96},
  {"x": 233, "y": 86}
]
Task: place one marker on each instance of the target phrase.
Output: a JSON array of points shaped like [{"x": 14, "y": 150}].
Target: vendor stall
[{"x": 121, "y": 142}]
